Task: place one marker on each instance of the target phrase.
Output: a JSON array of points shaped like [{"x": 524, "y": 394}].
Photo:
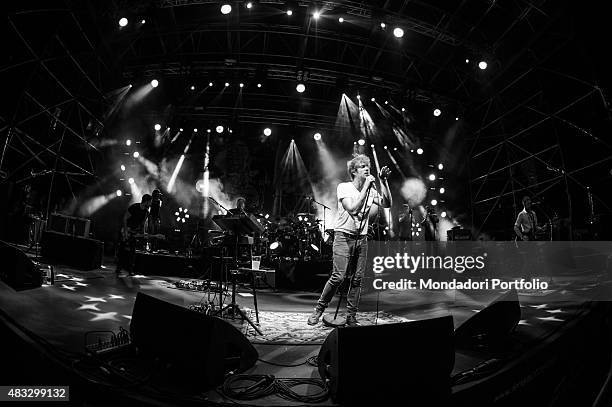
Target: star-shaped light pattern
[
  {"x": 551, "y": 319},
  {"x": 139, "y": 276},
  {"x": 554, "y": 311},
  {"x": 115, "y": 297},
  {"x": 93, "y": 307},
  {"x": 94, "y": 299},
  {"x": 101, "y": 316},
  {"x": 62, "y": 275},
  {"x": 76, "y": 279},
  {"x": 524, "y": 322},
  {"x": 541, "y": 306},
  {"x": 81, "y": 284},
  {"x": 68, "y": 287}
]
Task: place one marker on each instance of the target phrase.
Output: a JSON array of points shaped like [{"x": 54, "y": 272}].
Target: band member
[
  {"x": 134, "y": 222},
  {"x": 154, "y": 214},
  {"x": 355, "y": 199},
  {"x": 240, "y": 208},
  {"x": 526, "y": 224}
]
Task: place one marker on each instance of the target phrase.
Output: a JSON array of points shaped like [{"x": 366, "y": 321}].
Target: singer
[{"x": 355, "y": 199}]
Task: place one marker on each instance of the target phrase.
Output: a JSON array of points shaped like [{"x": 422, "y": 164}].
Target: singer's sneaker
[
  {"x": 314, "y": 318},
  {"x": 351, "y": 321}
]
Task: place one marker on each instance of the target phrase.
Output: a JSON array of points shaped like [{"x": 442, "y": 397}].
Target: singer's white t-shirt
[{"x": 345, "y": 222}]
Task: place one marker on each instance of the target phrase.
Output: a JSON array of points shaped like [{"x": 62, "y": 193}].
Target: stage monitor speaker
[
  {"x": 17, "y": 270},
  {"x": 407, "y": 363},
  {"x": 492, "y": 325},
  {"x": 198, "y": 348},
  {"x": 74, "y": 251}
]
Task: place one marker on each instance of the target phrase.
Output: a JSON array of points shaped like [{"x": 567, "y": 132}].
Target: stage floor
[{"x": 99, "y": 300}]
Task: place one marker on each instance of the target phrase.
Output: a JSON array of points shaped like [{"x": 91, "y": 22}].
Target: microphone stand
[
  {"x": 218, "y": 204},
  {"x": 324, "y": 208}
]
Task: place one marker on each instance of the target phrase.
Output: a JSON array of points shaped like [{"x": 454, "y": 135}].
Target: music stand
[{"x": 238, "y": 225}]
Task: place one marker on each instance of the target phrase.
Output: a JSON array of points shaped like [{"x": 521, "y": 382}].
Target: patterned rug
[{"x": 290, "y": 328}]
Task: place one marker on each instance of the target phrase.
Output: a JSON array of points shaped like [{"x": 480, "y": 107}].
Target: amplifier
[
  {"x": 69, "y": 225},
  {"x": 458, "y": 234}
]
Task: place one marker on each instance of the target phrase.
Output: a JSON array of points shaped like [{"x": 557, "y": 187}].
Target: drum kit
[{"x": 294, "y": 237}]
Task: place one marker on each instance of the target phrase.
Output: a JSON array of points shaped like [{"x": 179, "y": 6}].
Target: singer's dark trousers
[{"x": 350, "y": 254}]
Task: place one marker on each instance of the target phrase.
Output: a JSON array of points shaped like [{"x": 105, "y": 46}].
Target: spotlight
[
  {"x": 386, "y": 102},
  {"x": 259, "y": 85},
  {"x": 241, "y": 85},
  {"x": 398, "y": 32},
  {"x": 442, "y": 190},
  {"x": 437, "y": 112},
  {"x": 207, "y": 130},
  {"x": 316, "y": 15},
  {"x": 394, "y": 148},
  {"x": 155, "y": 83},
  {"x": 157, "y": 127},
  {"x": 181, "y": 129},
  {"x": 275, "y": 245},
  {"x": 136, "y": 154},
  {"x": 226, "y": 9},
  {"x": 482, "y": 65},
  {"x": 372, "y": 100},
  {"x": 131, "y": 180},
  {"x": 383, "y": 25},
  {"x": 358, "y": 97},
  {"x": 123, "y": 22},
  {"x": 456, "y": 119},
  {"x": 300, "y": 87},
  {"x": 210, "y": 83},
  {"x": 341, "y": 20},
  {"x": 267, "y": 131},
  {"x": 289, "y": 12},
  {"x": 230, "y": 130},
  {"x": 440, "y": 166},
  {"x": 128, "y": 142},
  {"x": 403, "y": 109},
  {"x": 219, "y": 129},
  {"x": 467, "y": 61},
  {"x": 443, "y": 214},
  {"x": 226, "y": 84},
  {"x": 434, "y": 202},
  {"x": 432, "y": 177},
  {"x": 371, "y": 145},
  {"x": 419, "y": 151},
  {"x": 122, "y": 167},
  {"x": 192, "y": 87},
  {"x": 361, "y": 142},
  {"x": 143, "y": 21},
  {"x": 317, "y": 136},
  {"x": 249, "y": 4},
  {"x": 119, "y": 192},
  {"x": 195, "y": 130},
  {"x": 385, "y": 147}
]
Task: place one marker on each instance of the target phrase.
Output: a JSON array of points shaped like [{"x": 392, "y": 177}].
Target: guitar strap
[{"x": 532, "y": 222}]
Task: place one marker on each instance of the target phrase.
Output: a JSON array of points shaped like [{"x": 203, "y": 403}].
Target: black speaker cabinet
[
  {"x": 17, "y": 270},
  {"x": 492, "y": 325},
  {"x": 194, "y": 345},
  {"x": 407, "y": 363},
  {"x": 78, "y": 252}
]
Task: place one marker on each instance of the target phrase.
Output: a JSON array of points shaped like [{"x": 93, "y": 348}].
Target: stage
[{"x": 67, "y": 315}]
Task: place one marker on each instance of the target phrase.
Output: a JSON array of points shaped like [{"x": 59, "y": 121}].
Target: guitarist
[
  {"x": 134, "y": 222},
  {"x": 526, "y": 224}
]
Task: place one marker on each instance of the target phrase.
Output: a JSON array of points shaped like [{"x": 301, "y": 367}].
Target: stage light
[
  {"x": 403, "y": 109},
  {"x": 317, "y": 136},
  {"x": 398, "y": 32},
  {"x": 136, "y": 154},
  {"x": 131, "y": 180},
  {"x": 316, "y": 15},
  {"x": 249, "y": 4},
  {"x": 230, "y": 130},
  {"x": 456, "y": 119},
  {"x": 442, "y": 190},
  {"x": 386, "y": 102},
  {"x": 289, "y": 12},
  {"x": 300, "y": 87},
  {"x": 467, "y": 61},
  {"x": 259, "y": 85},
  {"x": 276, "y": 245},
  {"x": 372, "y": 100},
  {"x": 122, "y": 167},
  {"x": 437, "y": 112},
  {"x": 385, "y": 147},
  {"x": 432, "y": 177},
  {"x": 383, "y": 25},
  {"x": 123, "y": 22},
  {"x": 241, "y": 85},
  {"x": 371, "y": 145},
  {"x": 119, "y": 192},
  {"x": 419, "y": 151},
  {"x": 207, "y": 130},
  {"x": 434, "y": 202},
  {"x": 192, "y": 87},
  {"x": 155, "y": 83},
  {"x": 482, "y": 65},
  {"x": 226, "y": 9},
  {"x": 440, "y": 166},
  {"x": 226, "y": 84},
  {"x": 128, "y": 142},
  {"x": 195, "y": 130},
  {"x": 143, "y": 21},
  {"x": 358, "y": 97},
  {"x": 361, "y": 142},
  {"x": 341, "y": 20},
  {"x": 267, "y": 131},
  {"x": 157, "y": 127},
  {"x": 219, "y": 129},
  {"x": 176, "y": 214},
  {"x": 210, "y": 83},
  {"x": 443, "y": 214},
  {"x": 181, "y": 129}
]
